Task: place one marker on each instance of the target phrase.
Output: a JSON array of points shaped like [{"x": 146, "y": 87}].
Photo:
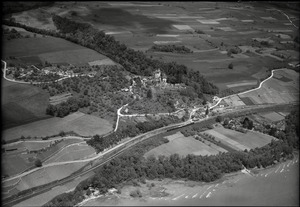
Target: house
[
  {"x": 157, "y": 74},
  {"x": 216, "y": 98},
  {"x": 164, "y": 78}
]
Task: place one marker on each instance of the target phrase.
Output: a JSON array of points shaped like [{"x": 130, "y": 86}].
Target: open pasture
[
  {"x": 84, "y": 125},
  {"x": 50, "y": 49},
  {"x": 41, "y": 199},
  {"x": 47, "y": 175},
  {"x": 183, "y": 146},
  {"x": 14, "y": 164},
  {"x": 277, "y": 91},
  {"x": 272, "y": 116},
  {"x": 22, "y": 103},
  {"x": 238, "y": 140},
  {"x": 45, "y": 155},
  {"x": 77, "y": 151}
]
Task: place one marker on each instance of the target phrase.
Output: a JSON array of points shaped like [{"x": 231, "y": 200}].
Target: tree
[
  {"x": 219, "y": 119},
  {"x": 230, "y": 66},
  {"x": 38, "y": 163},
  {"x": 149, "y": 94},
  {"x": 62, "y": 133}
]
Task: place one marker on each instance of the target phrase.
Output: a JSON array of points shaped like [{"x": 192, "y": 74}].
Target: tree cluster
[
  {"x": 171, "y": 48},
  {"x": 101, "y": 143},
  {"x": 65, "y": 108}
]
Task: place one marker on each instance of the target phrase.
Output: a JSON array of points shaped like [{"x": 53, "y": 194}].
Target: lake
[{"x": 276, "y": 186}]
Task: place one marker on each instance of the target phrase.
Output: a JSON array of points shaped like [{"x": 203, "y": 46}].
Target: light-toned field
[
  {"x": 277, "y": 91},
  {"x": 43, "y": 198},
  {"x": 234, "y": 101},
  {"x": 35, "y": 145},
  {"x": 82, "y": 124},
  {"x": 78, "y": 151},
  {"x": 238, "y": 140},
  {"x": 105, "y": 61},
  {"x": 242, "y": 84},
  {"x": 14, "y": 164},
  {"x": 183, "y": 146},
  {"x": 183, "y": 27},
  {"x": 272, "y": 116},
  {"x": 47, "y": 175}
]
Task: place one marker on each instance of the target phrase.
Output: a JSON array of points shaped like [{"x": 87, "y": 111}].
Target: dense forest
[
  {"x": 171, "y": 48},
  {"x": 133, "y": 166}
]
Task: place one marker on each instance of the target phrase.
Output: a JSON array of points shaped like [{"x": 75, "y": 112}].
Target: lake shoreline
[{"x": 170, "y": 191}]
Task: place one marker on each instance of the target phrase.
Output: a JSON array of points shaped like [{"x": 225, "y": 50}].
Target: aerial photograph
[{"x": 150, "y": 103}]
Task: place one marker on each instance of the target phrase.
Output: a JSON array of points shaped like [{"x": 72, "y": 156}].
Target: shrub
[
  {"x": 136, "y": 193},
  {"x": 230, "y": 66},
  {"x": 38, "y": 163}
]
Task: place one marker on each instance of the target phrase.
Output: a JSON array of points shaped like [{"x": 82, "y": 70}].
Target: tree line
[
  {"x": 171, "y": 48},
  {"x": 133, "y": 166},
  {"x": 100, "y": 143}
]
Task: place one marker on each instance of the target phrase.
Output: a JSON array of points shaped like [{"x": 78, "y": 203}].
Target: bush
[
  {"x": 62, "y": 133},
  {"x": 136, "y": 193},
  {"x": 230, "y": 66},
  {"x": 38, "y": 163}
]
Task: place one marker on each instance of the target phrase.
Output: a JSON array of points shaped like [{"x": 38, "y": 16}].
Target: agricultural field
[
  {"x": 76, "y": 151},
  {"x": 209, "y": 29},
  {"x": 22, "y": 103},
  {"x": 80, "y": 123},
  {"x": 38, "y": 50},
  {"x": 43, "y": 198},
  {"x": 43, "y": 176},
  {"x": 282, "y": 88},
  {"x": 17, "y": 159},
  {"x": 183, "y": 146},
  {"x": 238, "y": 140}
]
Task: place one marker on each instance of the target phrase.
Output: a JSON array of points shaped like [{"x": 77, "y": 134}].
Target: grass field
[
  {"x": 78, "y": 122},
  {"x": 238, "y": 140},
  {"x": 14, "y": 164},
  {"x": 183, "y": 146},
  {"x": 78, "y": 151},
  {"x": 19, "y": 160},
  {"x": 22, "y": 103},
  {"x": 272, "y": 116},
  {"x": 47, "y": 175},
  {"x": 277, "y": 91},
  {"x": 43, "y": 198},
  {"x": 50, "y": 49}
]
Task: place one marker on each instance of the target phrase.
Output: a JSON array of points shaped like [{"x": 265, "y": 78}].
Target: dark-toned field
[
  {"x": 53, "y": 50},
  {"x": 22, "y": 103}
]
